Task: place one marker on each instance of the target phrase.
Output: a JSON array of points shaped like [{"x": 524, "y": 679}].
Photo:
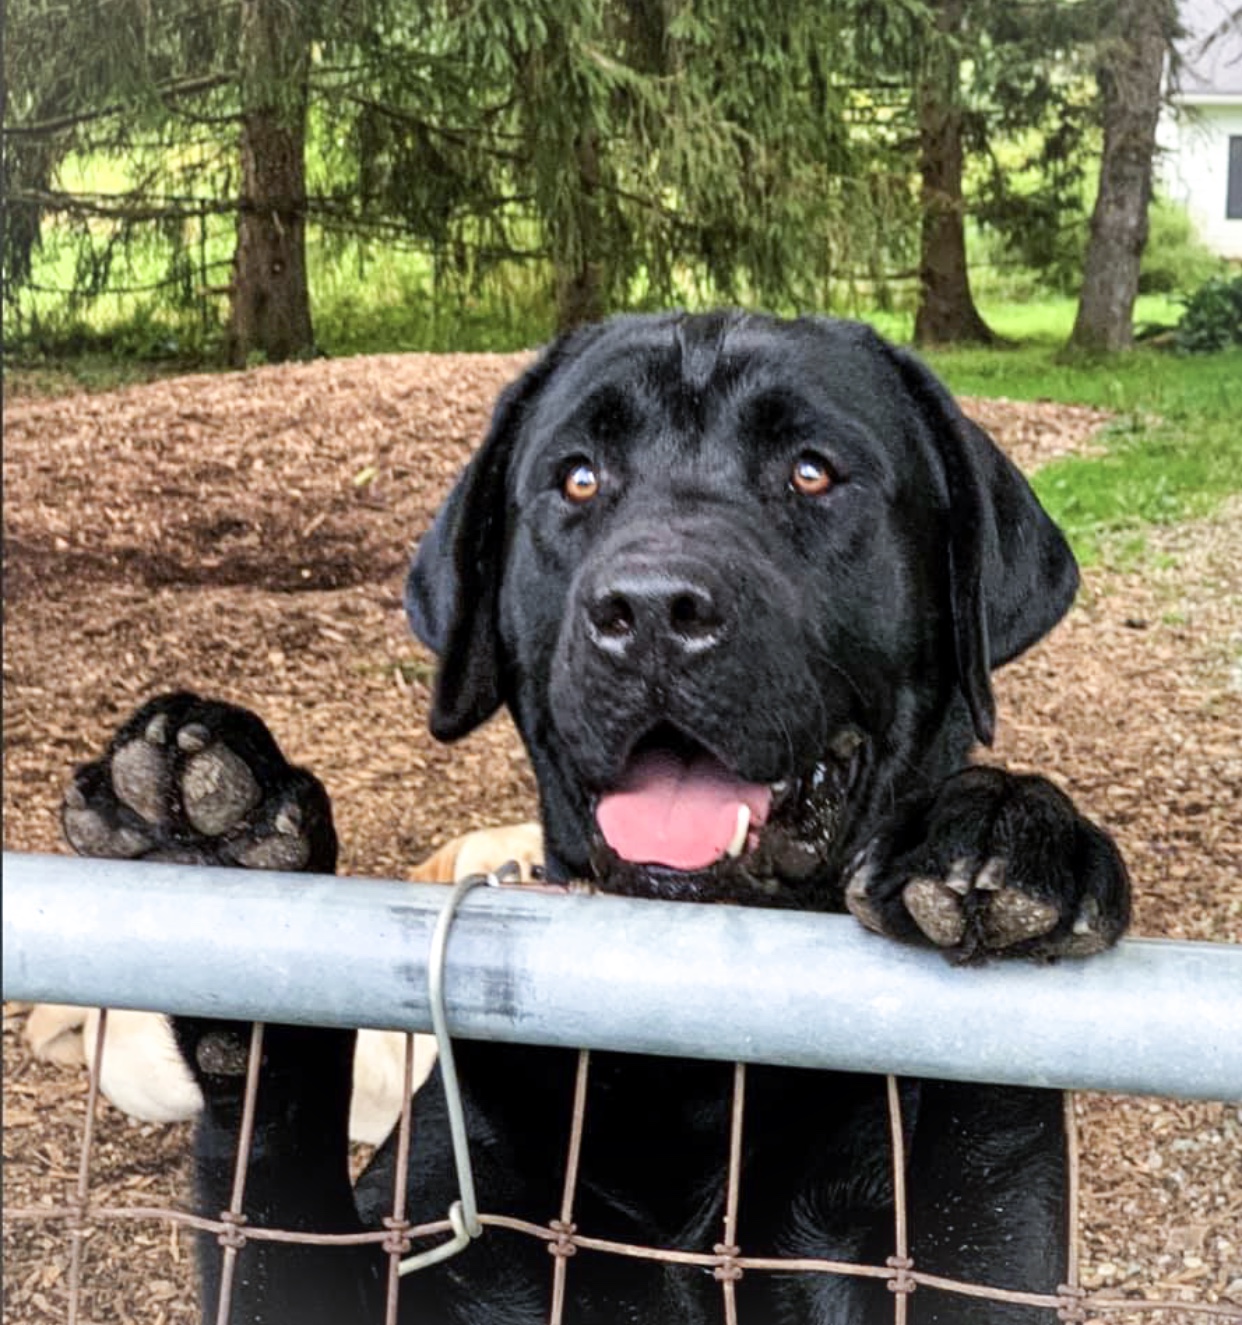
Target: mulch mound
[{"x": 246, "y": 536}]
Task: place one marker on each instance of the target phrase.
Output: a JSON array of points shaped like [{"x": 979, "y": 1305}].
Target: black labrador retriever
[{"x": 741, "y": 583}]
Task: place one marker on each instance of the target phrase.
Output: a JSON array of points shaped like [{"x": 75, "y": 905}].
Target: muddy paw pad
[
  {"x": 1011, "y": 917},
  {"x": 995, "y": 862},
  {"x": 223, "y": 1052},
  {"x": 945, "y": 909},
  {"x": 94, "y": 821},
  {"x": 286, "y": 832},
  {"x": 217, "y": 788},
  {"x": 199, "y": 781},
  {"x": 937, "y": 910},
  {"x": 141, "y": 776}
]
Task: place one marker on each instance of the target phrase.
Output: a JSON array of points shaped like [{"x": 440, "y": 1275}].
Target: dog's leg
[
  {"x": 297, "y": 1178},
  {"x": 987, "y": 1199},
  {"x": 54, "y": 1033},
  {"x": 196, "y": 781},
  {"x": 996, "y": 862}
]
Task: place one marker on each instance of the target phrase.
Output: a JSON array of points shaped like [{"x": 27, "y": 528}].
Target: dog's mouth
[{"x": 681, "y": 824}]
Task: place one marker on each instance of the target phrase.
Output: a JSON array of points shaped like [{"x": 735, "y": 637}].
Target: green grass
[
  {"x": 384, "y": 302},
  {"x": 1043, "y": 319},
  {"x": 1173, "y": 453},
  {"x": 366, "y": 296}
]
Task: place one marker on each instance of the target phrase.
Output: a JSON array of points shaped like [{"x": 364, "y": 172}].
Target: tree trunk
[
  {"x": 579, "y": 296},
  {"x": 946, "y": 311},
  {"x": 1130, "y": 70},
  {"x": 270, "y": 299},
  {"x": 578, "y": 264}
]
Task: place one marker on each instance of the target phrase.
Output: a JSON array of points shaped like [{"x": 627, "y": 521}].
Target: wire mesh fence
[{"x": 726, "y": 1259}]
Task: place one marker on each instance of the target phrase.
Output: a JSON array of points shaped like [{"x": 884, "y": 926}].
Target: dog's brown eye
[
  {"x": 811, "y": 475},
  {"x": 581, "y": 482}
]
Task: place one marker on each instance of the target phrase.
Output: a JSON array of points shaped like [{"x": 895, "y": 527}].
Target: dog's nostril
[
  {"x": 693, "y": 615},
  {"x": 613, "y": 616}
]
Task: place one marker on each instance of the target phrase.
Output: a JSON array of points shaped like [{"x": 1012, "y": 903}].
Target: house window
[{"x": 1233, "y": 197}]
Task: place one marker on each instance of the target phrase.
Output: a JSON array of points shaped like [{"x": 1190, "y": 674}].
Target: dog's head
[{"x": 740, "y": 582}]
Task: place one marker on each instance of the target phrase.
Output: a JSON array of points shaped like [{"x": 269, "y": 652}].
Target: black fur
[{"x": 841, "y": 644}]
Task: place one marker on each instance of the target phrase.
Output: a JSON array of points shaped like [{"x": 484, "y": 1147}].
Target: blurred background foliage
[{"x": 475, "y": 176}]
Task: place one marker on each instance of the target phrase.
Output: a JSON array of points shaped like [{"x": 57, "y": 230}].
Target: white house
[{"x": 1202, "y": 132}]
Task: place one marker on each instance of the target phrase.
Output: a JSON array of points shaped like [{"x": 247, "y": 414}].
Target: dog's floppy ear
[
  {"x": 1012, "y": 575},
  {"x": 453, "y": 586}
]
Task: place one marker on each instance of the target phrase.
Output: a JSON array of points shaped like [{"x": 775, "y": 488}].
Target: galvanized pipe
[{"x": 599, "y": 972}]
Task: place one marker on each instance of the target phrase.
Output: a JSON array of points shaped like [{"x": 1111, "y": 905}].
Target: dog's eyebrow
[
  {"x": 607, "y": 413},
  {"x": 604, "y": 415},
  {"x": 772, "y": 417},
  {"x": 700, "y": 343},
  {"x": 771, "y": 411}
]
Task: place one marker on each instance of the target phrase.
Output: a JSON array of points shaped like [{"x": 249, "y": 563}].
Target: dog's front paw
[
  {"x": 995, "y": 863},
  {"x": 306, "y": 1071},
  {"x": 200, "y": 782}
]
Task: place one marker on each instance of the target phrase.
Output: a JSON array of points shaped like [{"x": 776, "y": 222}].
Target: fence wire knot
[
  {"x": 397, "y": 1240},
  {"x": 728, "y": 1269},
  {"x": 563, "y": 1245},
  {"x": 78, "y": 1224},
  {"x": 231, "y": 1235},
  {"x": 903, "y": 1281},
  {"x": 1071, "y": 1308}
]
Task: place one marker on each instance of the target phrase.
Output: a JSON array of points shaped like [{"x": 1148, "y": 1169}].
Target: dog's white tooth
[{"x": 738, "y": 841}]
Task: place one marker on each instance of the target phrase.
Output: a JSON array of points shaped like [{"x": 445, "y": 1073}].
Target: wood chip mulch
[{"x": 246, "y": 535}]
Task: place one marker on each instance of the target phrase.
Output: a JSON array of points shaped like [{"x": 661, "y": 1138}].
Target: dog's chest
[
  {"x": 656, "y": 1145},
  {"x": 655, "y": 1151}
]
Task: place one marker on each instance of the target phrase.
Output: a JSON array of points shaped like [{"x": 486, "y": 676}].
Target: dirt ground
[{"x": 246, "y": 536}]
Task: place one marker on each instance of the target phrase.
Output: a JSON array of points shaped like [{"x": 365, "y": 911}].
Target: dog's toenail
[
  {"x": 157, "y": 729},
  {"x": 289, "y": 821},
  {"x": 74, "y": 797},
  {"x": 991, "y": 876},
  {"x": 193, "y": 737},
  {"x": 1088, "y": 917},
  {"x": 1087, "y": 936},
  {"x": 959, "y": 876}
]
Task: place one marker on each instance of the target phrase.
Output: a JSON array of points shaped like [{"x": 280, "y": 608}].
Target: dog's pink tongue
[{"x": 677, "y": 814}]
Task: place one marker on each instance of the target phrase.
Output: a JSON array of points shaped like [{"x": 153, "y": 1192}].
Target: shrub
[
  {"x": 1212, "y": 319},
  {"x": 1175, "y": 260},
  {"x": 1051, "y": 252}
]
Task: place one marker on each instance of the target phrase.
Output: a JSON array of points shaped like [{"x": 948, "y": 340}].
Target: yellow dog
[{"x": 145, "y": 1077}]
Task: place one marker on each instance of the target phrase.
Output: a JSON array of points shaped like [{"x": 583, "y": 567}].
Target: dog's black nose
[{"x": 655, "y": 611}]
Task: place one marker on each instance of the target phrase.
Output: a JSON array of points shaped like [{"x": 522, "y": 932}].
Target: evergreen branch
[
  {"x": 329, "y": 212},
  {"x": 167, "y": 283},
  {"x": 81, "y": 204},
  {"x": 458, "y": 137},
  {"x": 185, "y": 88}
]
